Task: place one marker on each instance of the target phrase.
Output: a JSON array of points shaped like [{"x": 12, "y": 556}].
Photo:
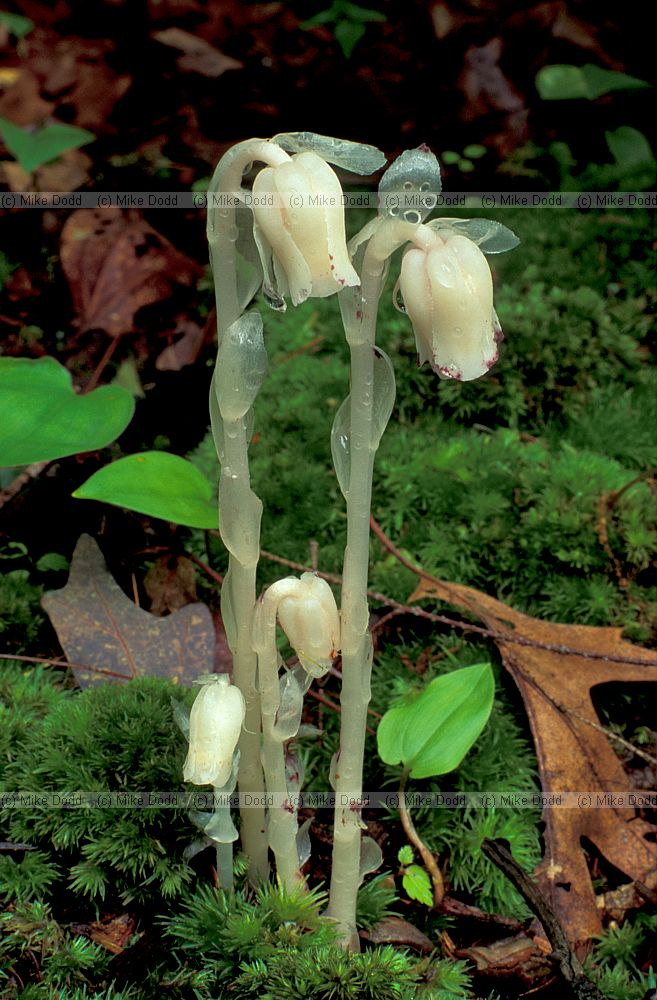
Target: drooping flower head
[
  {"x": 215, "y": 724},
  {"x": 307, "y": 613},
  {"x": 309, "y": 617},
  {"x": 299, "y": 218},
  {"x": 447, "y": 290}
]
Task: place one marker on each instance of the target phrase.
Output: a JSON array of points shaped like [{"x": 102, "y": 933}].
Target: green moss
[
  {"x": 21, "y": 617},
  {"x": 113, "y": 738}
]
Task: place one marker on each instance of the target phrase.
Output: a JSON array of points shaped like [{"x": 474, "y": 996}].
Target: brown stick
[{"x": 579, "y": 987}]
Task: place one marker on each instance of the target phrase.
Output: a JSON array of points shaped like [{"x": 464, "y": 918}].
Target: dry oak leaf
[
  {"x": 574, "y": 754},
  {"x": 115, "y": 264},
  {"x": 106, "y": 636}
]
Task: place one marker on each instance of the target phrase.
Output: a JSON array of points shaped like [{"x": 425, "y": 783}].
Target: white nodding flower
[
  {"x": 447, "y": 288},
  {"x": 299, "y": 228},
  {"x": 308, "y": 615},
  {"x": 215, "y": 724}
]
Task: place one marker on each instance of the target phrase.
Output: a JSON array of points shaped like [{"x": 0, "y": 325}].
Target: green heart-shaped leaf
[
  {"x": 33, "y": 149},
  {"x": 42, "y": 418},
  {"x": 432, "y": 734},
  {"x": 156, "y": 483}
]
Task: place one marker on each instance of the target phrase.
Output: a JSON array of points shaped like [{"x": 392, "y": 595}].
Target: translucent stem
[
  {"x": 282, "y": 827},
  {"x": 225, "y": 863},
  {"x": 356, "y": 640},
  {"x": 236, "y": 489}
]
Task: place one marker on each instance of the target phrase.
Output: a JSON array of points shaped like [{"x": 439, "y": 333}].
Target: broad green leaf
[
  {"x": 16, "y": 24},
  {"x": 155, "y": 483},
  {"x": 417, "y": 885},
  {"x": 432, "y": 734},
  {"x": 42, "y": 418},
  {"x": 33, "y": 149},
  {"x": 562, "y": 82}
]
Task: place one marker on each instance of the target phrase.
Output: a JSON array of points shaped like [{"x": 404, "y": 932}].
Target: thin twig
[
  {"x": 506, "y": 637},
  {"x": 101, "y": 366},
  {"x": 212, "y": 573},
  {"x": 52, "y": 661}
]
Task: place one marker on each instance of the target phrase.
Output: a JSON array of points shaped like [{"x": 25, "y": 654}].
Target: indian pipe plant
[{"x": 286, "y": 233}]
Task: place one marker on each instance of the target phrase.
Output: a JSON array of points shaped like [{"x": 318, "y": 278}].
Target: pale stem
[
  {"x": 355, "y": 636},
  {"x": 221, "y": 236},
  {"x": 225, "y": 863},
  {"x": 282, "y": 827}
]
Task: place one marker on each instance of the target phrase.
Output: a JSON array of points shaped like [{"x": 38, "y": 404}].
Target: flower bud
[
  {"x": 297, "y": 207},
  {"x": 309, "y": 617},
  {"x": 447, "y": 289},
  {"x": 215, "y": 724}
]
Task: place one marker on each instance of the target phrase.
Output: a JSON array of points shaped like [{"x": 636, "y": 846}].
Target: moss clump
[{"x": 109, "y": 738}]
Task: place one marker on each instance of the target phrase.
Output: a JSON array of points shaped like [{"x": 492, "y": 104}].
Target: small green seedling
[
  {"x": 42, "y": 418},
  {"x": 463, "y": 161},
  {"x": 33, "y": 149},
  {"x": 428, "y": 736},
  {"x": 415, "y": 880},
  {"x": 348, "y": 20},
  {"x": 158, "y": 484}
]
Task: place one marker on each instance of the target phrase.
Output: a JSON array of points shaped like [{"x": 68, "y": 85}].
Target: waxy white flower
[
  {"x": 299, "y": 228},
  {"x": 447, "y": 289},
  {"x": 308, "y": 615},
  {"x": 215, "y": 724}
]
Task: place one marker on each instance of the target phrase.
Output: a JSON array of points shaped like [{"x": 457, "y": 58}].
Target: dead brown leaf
[
  {"x": 395, "y": 930},
  {"x": 116, "y": 263},
  {"x": 105, "y": 635},
  {"x": 75, "y": 71},
  {"x": 113, "y": 933},
  {"x": 484, "y": 85},
  {"x": 21, "y": 101},
  {"x": 198, "y": 56},
  {"x": 171, "y": 584},
  {"x": 574, "y": 755},
  {"x": 183, "y": 351},
  {"x": 516, "y": 956}
]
